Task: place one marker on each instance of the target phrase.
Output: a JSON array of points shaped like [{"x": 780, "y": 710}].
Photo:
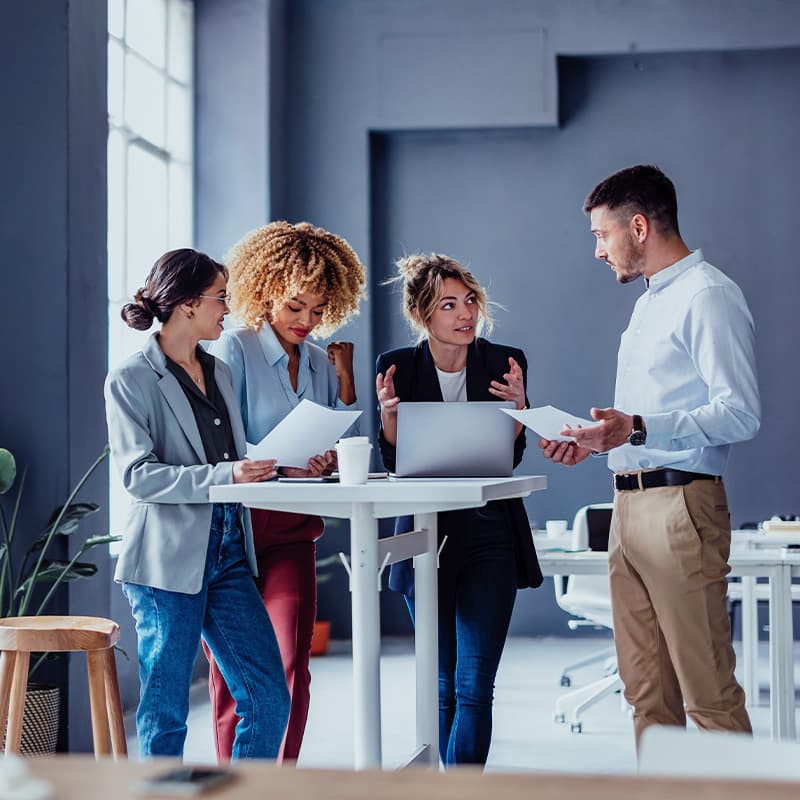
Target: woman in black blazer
[{"x": 489, "y": 551}]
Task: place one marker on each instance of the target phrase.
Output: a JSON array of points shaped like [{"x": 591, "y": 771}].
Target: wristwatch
[{"x": 638, "y": 435}]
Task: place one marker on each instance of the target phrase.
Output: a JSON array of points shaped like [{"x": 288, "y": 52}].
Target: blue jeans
[
  {"x": 477, "y": 589},
  {"x": 229, "y": 614}
]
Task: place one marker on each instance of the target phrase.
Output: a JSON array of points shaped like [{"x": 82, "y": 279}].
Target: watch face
[{"x": 637, "y": 438}]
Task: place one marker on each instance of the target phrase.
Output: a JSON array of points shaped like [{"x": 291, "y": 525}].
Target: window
[{"x": 150, "y": 159}]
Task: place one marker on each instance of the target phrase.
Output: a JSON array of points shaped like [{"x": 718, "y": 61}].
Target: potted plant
[
  {"x": 27, "y": 587},
  {"x": 321, "y": 636}
]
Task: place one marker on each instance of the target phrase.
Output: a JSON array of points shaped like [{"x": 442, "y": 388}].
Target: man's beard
[{"x": 632, "y": 259}]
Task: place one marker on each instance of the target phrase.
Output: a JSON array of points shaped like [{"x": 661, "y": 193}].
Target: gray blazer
[{"x": 157, "y": 450}]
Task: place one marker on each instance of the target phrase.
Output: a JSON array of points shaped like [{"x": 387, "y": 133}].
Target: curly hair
[
  {"x": 422, "y": 276},
  {"x": 274, "y": 263}
]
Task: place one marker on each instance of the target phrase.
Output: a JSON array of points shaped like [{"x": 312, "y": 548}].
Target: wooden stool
[{"x": 21, "y": 636}]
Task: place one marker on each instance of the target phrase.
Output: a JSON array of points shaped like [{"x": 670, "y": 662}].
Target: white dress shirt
[
  {"x": 687, "y": 365},
  {"x": 260, "y": 370}
]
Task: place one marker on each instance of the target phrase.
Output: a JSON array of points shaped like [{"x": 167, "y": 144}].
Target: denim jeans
[
  {"x": 229, "y": 614},
  {"x": 477, "y": 589}
]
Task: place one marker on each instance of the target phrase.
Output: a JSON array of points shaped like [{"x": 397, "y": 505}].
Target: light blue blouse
[{"x": 260, "y": 371}]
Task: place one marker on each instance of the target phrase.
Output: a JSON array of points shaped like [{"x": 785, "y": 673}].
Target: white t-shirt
[{"x": 453, "y": 385}]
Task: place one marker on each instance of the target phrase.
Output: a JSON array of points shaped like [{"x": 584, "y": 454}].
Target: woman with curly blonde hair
[{"x": 287, "y": 282}]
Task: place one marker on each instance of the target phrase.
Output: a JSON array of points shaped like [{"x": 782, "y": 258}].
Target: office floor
[{"x": 525, "y": 734}]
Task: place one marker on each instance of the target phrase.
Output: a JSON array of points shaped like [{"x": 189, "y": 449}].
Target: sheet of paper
[
  {"x": 308, "y": 430},
  {"x": 547, "y": 421}
]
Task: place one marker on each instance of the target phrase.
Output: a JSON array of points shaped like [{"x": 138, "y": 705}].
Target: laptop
[{"x": 454, "y": 440}]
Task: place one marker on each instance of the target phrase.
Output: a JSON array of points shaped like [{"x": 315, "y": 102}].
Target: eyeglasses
[{"x": 224, "y": 299}]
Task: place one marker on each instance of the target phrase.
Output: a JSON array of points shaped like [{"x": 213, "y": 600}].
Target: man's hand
[
  {"x": 384, "y": 387},
  {"x": 254, "y": 470},
  {"x": 613, "y": 430},
  {"x": 514, "y": 387},
  {"x": 566, "y": 453}
]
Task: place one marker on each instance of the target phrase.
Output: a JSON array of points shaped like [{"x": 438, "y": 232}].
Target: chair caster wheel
[
  {"x": 576, "y": 727},
  {"x": 560, "y": 718},
  {"x": 566, "y": 681}
]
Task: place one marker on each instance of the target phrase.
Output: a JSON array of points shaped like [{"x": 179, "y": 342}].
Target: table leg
[
  {"x": 366, "y": 637},
  {"x": 782, "y": 719},
  {"x": 750, "y": 640},
  {"x": 426, "y": 642}
]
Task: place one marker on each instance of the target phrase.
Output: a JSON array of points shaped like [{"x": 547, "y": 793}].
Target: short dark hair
[
  {"x": 643, "y": 189},
  {"x": 179, "y": 276}
]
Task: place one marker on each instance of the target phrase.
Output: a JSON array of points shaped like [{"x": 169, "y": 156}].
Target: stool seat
[
  {"x": 57, "y": 634},
  {"x": 96, "y": 636}
]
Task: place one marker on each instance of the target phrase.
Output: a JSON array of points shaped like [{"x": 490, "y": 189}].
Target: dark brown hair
[
  {"x": 643, "y": 189},
  {"x": 179, "y": 276}
]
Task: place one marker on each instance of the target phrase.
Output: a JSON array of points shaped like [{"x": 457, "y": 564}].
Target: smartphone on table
[{"x": 185, "y": 781}]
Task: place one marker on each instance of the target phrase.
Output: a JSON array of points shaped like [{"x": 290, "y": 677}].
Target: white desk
[
  {"x": 363, "y": 506},
  {"x": 750, "y": 564}
]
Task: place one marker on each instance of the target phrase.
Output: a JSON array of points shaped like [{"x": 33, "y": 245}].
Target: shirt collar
[
  {"x": 667, "y": 275},
  {"x": 273, "y": 349}
]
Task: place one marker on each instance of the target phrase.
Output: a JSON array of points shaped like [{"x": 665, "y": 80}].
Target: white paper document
[
  {"x": 547, "y": 421},
  {"x": 308, "y": 430}
]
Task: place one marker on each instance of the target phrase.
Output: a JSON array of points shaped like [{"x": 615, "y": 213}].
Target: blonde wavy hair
[
  {"x": 422, "y": 276},
  {"x": 281, "y": 260}
]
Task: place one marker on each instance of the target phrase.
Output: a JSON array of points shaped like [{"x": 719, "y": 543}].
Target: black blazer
[{"x": 415, "y": 380}]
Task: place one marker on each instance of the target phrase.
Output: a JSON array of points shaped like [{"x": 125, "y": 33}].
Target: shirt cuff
[{"x": 659, "y": 431}]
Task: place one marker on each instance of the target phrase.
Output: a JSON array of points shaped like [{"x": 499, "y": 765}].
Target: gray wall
[
  {"x": 339, "y": 112},
  {"x": 477, "y": 128},
  {"x": 53, "y": 325}
]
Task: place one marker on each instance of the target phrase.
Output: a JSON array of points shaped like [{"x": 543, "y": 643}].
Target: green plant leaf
[
  {"x": 51, "y": 571},
  {"x": 93, "y": 541},
  {"x": 67, "y": 525},
  {"x": 8, "y": 470},
  {"x": 71, "y": 517}
]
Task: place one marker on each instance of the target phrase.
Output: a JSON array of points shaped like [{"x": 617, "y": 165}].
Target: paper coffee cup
[{"x": 353, "y": 454}]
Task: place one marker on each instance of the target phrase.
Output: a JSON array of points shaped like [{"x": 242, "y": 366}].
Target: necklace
[{"x": 190, "y": 373}]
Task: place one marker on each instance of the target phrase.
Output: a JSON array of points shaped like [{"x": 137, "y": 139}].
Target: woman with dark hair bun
[{"x": 187, "y": 564}]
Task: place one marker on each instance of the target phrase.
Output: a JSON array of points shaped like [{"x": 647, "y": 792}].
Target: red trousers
[{"x": 285, "y": 552}]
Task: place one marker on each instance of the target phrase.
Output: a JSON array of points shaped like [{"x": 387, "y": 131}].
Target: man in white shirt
[{"x": 686, "y": 389}]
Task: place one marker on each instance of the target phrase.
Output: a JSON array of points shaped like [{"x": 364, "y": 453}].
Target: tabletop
[
  {"x": 81, "y": 778},
  {"x": 389, "y": 497}
]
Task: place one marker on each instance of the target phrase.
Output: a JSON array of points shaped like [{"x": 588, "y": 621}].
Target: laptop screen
[{"x": 454, "y": 440}]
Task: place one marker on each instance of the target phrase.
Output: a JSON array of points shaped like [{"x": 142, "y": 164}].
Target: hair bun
[
  {"x": 139, "y": 314},
  {"x": 410, "y": 266}
]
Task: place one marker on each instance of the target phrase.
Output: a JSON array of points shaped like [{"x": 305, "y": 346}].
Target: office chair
[{"x": 588, "y": 598}]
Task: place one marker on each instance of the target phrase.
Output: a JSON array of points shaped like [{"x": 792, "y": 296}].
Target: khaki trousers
[{"x": 668, "y": 558}]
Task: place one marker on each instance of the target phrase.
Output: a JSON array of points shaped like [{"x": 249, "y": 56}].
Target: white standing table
[
  {"x": 750, "y": 564},
  {"x": 364, "y": 506}
]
